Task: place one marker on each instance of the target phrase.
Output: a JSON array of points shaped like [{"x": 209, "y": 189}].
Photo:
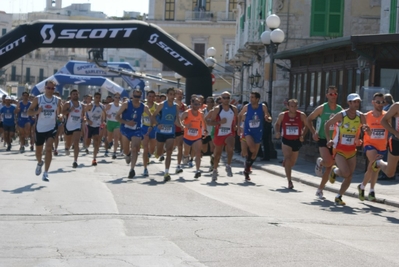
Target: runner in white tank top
[
  {"x": 112, "y": 124},
  {"x": 75, "y": 111}
]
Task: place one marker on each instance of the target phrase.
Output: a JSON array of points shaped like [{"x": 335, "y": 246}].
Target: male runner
[
  {"x": 291, "y": 126},
  {"x": 46, "y": 107},
  {"x": 149, "y": 141},
  {"x": 129, "y": 115},
  {"x": 224, "y": 117},
  {"x": 8, "y": 112},
  {"x": 95, "y": 115},
  {"x": 323, "y": 113},
  {"x": 179, "y": 131},
  {"x": 113, "y": 126},
  {"x": 73, "y": 110},
  {"x": 194, "y": 123},
  {"x": 345, "y": 142},
  {"x": 23, "y": 120},
  {"x": 256, "y": 114},
  {"x": 169, "y": 117},
  {"x": 375, "y": 144},
  {"x": 208, "y": 132}
]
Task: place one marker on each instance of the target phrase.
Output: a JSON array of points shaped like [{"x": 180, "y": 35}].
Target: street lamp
[
  {"x": 147, "y": 86},
  {"x": 211, "y": 60},
  {"x": 178, "y": 77},
  {"x": 271, "y": 39}
]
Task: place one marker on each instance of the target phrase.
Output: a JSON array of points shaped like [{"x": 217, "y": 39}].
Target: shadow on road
[
  {"x": 60, "y": 170},
  {"x": 285, "y": 190},
  {"x": 153, "y": 182},
  {"x": 118, "y": 181},
  {"x": 26, "y": 188}
]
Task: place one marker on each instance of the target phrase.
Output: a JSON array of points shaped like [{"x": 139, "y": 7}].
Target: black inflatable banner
[{"x": 110, "y": 34}]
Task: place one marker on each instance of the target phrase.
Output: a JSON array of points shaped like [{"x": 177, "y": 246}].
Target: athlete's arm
[
  {"x": 59, "y": 106},
  {"x": 305, "y": 126},
  {"x": 118, "y": 116},
  {"x": 31, "y": 110},
  {"x": 337, "y": 118},
  {"x": 242, "y": 112},
  {"x": 268, "y": 118},
  {"x": 386, "y": 120},
  {"x": 178, "y": 119},
  {"x": 312, "y": 116},
  {"x": 277, "y": 125}
]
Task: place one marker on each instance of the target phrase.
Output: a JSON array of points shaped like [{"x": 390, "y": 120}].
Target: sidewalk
[{"x": 387, "y": 191}]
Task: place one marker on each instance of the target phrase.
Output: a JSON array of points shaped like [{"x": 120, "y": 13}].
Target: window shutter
[
  {"x": 335, "y": 18},
  {"x": 318, "y": 18}
]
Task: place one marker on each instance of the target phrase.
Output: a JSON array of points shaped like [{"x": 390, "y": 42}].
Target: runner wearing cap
[
  {"x": 8, "y": 113},
  {"x": 345, "y": 141}
]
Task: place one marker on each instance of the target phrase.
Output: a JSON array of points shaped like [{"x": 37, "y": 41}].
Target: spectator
[{"x": 389, "y": 101}]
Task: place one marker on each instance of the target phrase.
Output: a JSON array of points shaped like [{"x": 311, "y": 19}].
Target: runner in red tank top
[{"x": 292, "y": 124}]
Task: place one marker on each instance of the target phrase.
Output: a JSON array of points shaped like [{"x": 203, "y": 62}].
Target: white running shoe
[
  {"x": 39, "y": 168},
  {"x": 318, "y": 169},
  {"x": 319, "y": 194}
]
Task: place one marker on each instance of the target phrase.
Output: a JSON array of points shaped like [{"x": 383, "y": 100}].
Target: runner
[
  {"x": 73, "y": 110},
  {"x": 390, "y": 122},
  {"x": 60, "y": 128},
  {"x": 23, "y": 120},
  {"x": 224, "y": 117},
  {"x": 179, "y": 131},
  {"x": 95, "y": 115},
  {"x": 345, "y": 141},
  {"x": 194, "y": 123},
  {"x": 169, "y": 116},
  {"x": 45, "y": 107},
  {"x": 129, "y": 115},
  {"x": 8, "y": 112},
  {"x": 255, "y": 115},
  {"x": 323, "y": 113},
  {"x": 374, "y": 144},
  {"x": 291, "y": 126},
  {"x": 112, "y": 124},
  {"x": 207, "y": 143},
  {"x": 149, "y": 141}
]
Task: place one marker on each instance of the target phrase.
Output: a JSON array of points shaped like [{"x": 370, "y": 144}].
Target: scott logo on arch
[{"x": 154, "y": 39}]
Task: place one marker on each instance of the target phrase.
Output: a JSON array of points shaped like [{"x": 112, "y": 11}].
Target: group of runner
[{"x": 159, "y": 126}]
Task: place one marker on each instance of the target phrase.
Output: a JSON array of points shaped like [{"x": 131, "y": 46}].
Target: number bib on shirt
[
  {"x": 224, "y": 130},
  {"x": 377, "y": 134},
  {"x": 8, "y": 115},
  {"x": 348, "y": 140},
  {"x": 24, "y": 114},
  {"x": 192, "y": 132},
  {"x": 166, "y": 129},
  {"x": 292, "y": 130},
  {"x": 254, "y": 123},
  {"x": 48, "y": 113},
  {"x": 146, "y": 120},
  {"x": 75, "y": 118}
]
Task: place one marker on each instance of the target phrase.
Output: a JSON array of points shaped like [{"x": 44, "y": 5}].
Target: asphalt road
[{"x": 95, "y": 216}]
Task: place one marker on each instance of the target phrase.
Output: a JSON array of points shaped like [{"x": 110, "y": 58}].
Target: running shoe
[
  {"x": 87, "y": 151},
  {"x": 319, "y": 194},
  {"x": 185, "y": 160},
  {"x": 74, "y": 165},
  {"x": 45, "y": 177},
  {"x": 94, "y": 162},
  {"x": 114, "y": 155},
  {"x": 67, "y": 153},
  {"x": 372, "y": 197},
  {"x": 318, "y": 169},
  {"x": 332, "y": 175},
  {"x": 110, "y": 144},
  {"x": 361, "y": 193},
  {"x": 166, "y": 177},
  {"x": 21, "y": 150},
  {"x": 210, "y": 168},
  {"x": 228, "y": 170},
  {"x": 374, "y": 166},
  {"x": 197, "y": 174},
  {"x": 290, "y": 185},
  {"x": 128, "y": 158},
  {"x": 214, "y": 175},
  {"x": 162, "y": 158},
  {"x": 179, "y": 170},
  {"x": 145, "y": 173},
  {"x": 55, "y": 152},
  {"x": 190, "y": 164},
  {"x": 106, "y": 153},
  {"x": 39, "y": 168},
  {"x": 132, "y": 173},
  {"x": 339, "y": 201},
  {"x": 31, "y": 148},
  {"x": 246, "y": 174},
  {"x": 8, "y": 148}
]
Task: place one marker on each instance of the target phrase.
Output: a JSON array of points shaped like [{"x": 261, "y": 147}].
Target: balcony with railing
[
  {"x": 226, "y": 16},
  {"x": 199, "y": 16}
]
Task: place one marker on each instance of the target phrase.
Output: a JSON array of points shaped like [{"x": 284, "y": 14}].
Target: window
[
  {"x": 205, "y": 4},
  {"x": 13, "y": 73},
  {"x": 327, "y": 18},
  {"x": 200, "y": 50},
  {"x": 169, "y": 9},
  {"x": 232, "y": 5},
  {"x": 41, "y": 74},
  {"x": 393, "y": 16},
  {"x": 27, "y": 75},
  {"x": 55, "y": 71},
  {"x": 3, "y": 31}
]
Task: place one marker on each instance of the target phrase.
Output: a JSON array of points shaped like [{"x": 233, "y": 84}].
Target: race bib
[
  {"x": 166, "y": 129},
  {"x": 48, "y": 113},
  {"x": 377, "y": 134},
  {"x": 192, "y": 132},
  {"x": 254, "y": 123},
  {"x": 292, "y": 130},
  {"x": 8, "y": 116},
  {"x": 24, "y": 114},
  {"x": 146, "y": 120},
  {"x": 332, "y": 127},
  {"x": 348, "y": 140},
  {"x": 75, "y": 118},
  {"x": 224, "y": 130}
]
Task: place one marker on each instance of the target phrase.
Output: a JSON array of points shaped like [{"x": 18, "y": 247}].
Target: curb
[{"x": 327, "y": 188}]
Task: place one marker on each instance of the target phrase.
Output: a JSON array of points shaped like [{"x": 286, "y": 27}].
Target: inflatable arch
[{"x": 110, "y": 34}]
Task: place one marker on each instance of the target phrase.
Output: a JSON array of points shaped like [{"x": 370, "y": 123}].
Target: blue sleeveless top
[
  {"x": 167, "y": 118},
  {"x": 254, "y": 120},
  {"x": 133, "y": 114}
]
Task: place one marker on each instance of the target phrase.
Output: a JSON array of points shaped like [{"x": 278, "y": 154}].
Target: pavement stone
[{"x": 387, "y": 191}]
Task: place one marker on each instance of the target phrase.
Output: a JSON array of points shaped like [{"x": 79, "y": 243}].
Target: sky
[{"x": 109, "y": 7}]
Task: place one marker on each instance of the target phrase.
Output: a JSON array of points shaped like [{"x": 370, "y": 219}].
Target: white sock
[
  {"x": 336, "y": 171},
  {"x": 371, "y": 190},
  {"x": 362, "y": 186},
  {"x": 166, "y": 171}
]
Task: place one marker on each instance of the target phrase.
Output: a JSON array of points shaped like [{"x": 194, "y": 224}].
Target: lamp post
[
  {"x": 178, "y": 77},
  {"x": 271, "y": 39},
  {"x": 147, "y": 86}
]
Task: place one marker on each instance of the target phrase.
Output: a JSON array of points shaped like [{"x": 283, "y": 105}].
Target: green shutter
[
  {"x": 335, "y": 18},
  {"x": 249, "y": 12},
  {"x": 327, "y": 18},
  {"x": 318, "y": 18},
  {"x": 242, "y": 20},
  {"x": 393, "y": 16}
]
